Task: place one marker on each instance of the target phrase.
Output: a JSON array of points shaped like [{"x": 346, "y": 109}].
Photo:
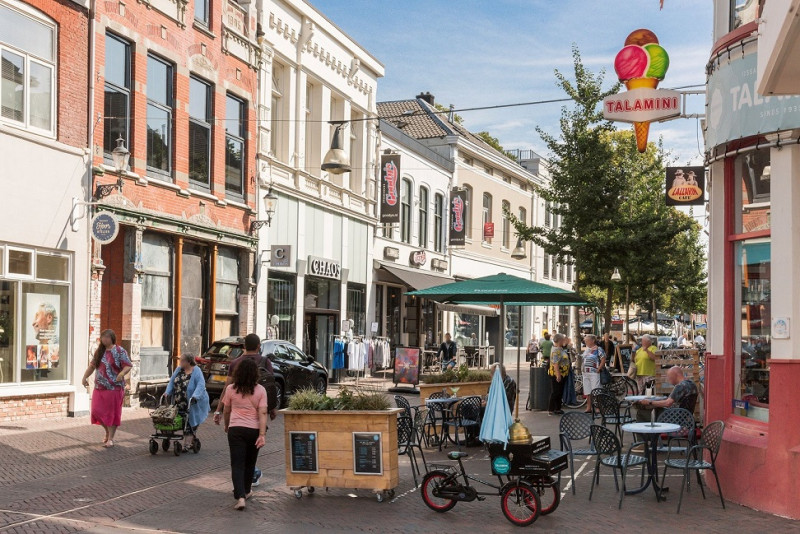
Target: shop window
[
  {"x": 227, "y": 297},
  {"x": 322, "y": 294},
  {"x": 466, "y": 326},
  {"x": 159, "y": 115},
  {"x": 743, "y": 12},
  {"x": 156, "y": 290},
  {"x": 438, "y": 224},
  {"x": 379, "y": 308},
  {"x": 753, "y": 179},
  {"x": 394, "y": 314},
  {"x": 8, "y": 329},
  {"x": 200, "y": 117},
  {"x": 234, "y": 145},
  {"x": 563, "y": 320},
  {"x": 513, "y": 326},
  {"x": 45, "y": 317},
  {"x": 27, "y": 51},
  {"x": 422, "y": 231},
  {"x": 281, "y": 302},
  {"x": 50, "y": 267},
  {"x": 117, "y": 99},
  {"x": 357, "y": 308},
  {"x": 405, "y": 210},
  {"x": 20, "y": 262}
]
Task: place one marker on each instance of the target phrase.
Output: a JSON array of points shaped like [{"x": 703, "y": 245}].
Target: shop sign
[
  {"x": 736, "y": 110},
  {"x": 488, "y": 230},
  {"x": 105, "y": 227},
  {"x": 281, "y": 256},
  {"x": 685, "y": 186},
  {"x": 642, "y": 105},
  {"x": 438, "y": 265},
  {"x": 324, "y": 268},
  {"x": 418, "y": 258},
  {"x": 458, "y": 206},
  {"x": 390, "y": 182},
  {"x": 391, "y": 253}
]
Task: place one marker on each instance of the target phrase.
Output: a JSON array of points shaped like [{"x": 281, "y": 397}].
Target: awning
[
  {"x": 468, "y": 309},
  {"x": 416, "y": 280}
]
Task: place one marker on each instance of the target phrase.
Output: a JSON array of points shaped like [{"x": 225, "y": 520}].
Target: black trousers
[
  {"x": 242, "y": 443},
  {"x": 557, "y": 392}
]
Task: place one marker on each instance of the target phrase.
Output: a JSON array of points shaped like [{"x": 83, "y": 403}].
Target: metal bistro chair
[
  {"x": 609, "y": 409},
  {"x": 420, "y": 418},
  {"x": 403, "y": 403},
  {"x": 575, "y": 426},
  {"x": 609, "y": 453},
  {"x": 711, "y": 441},
  {"x": 684, "y": 418},
  {"x": 467, "y": 415},
  {"x": 593, "y": 395},
  {"x": 435, "y": 418},
  {"x": 406, "y": 443}
]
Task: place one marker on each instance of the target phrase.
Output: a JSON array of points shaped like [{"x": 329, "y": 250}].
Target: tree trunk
[
  {"x": 576, "y": 316},
  {"x": 655, "y": 311},
  {"x": 607, "y": 313}
]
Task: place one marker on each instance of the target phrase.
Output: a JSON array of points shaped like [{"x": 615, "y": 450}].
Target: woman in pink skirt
[{"x": 110, "y": 366}]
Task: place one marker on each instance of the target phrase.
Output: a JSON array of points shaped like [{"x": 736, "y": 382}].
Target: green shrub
[
  {"x": 348, "y": 399},
  {"x": 460, "y": 374}
]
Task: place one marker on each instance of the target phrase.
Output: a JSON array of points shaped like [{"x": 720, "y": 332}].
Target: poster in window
[
  {"x": 41, "y": 331},
  {"x": 406, "y": 366},
  {"x": 458, "y": 206},
  {"x": 390, "y": 183},
  {"x": 686, "y": 186}
]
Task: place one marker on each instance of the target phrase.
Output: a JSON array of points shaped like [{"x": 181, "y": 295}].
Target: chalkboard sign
[
  {"x": 367, "y": 457},
  {"x": 624, "y": 355},
  {"x": 304, "y": 452}
]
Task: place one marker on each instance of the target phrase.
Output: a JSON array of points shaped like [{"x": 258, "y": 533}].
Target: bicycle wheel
[
  {"x": 433, "y": 481},
  {"x": 549, "y": 494},
  {"x": 520, "y": 503},
  {"x": 580, "y": 399}
]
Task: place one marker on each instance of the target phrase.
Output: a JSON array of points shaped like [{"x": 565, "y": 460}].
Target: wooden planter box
[
  {"x": 466, "y": 389},
  {"x": 334, "y": 441}
]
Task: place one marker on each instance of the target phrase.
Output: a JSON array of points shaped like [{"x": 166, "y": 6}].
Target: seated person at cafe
[
  {"x": 509, "y": 385},
  {"x": 448, "y": 352},
  {"x": 684, "y": 395}
]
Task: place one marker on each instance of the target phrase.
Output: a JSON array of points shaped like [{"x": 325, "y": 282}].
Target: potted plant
[
  {"x": 461, "y": 381},
  {"x": 349, "y": 441}
]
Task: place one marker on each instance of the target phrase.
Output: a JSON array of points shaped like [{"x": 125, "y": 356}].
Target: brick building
[
  {"x": 177, "y": 82},
  {"x": 44, "y": 129}
]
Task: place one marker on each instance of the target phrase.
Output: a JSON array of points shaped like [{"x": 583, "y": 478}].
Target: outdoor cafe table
[
  {"x": 652, "y": 431},
  {"x": 638, "y": 398},
  {"x": 446, "y": 404}
]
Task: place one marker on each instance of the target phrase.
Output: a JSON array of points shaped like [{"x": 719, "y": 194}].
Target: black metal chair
[
  {"x": 684, "y": 418},
  {"x": 694, "y": 460},
  {"x": 406, "y": 443},
  {"x": 610, "y": 412},
  {"x": 593, "y": 395},
  {"x": 419, "y": 433},
  {"x": 403, "y": 403},
  {"x": 575, "y": 426},
  {"x": 609, "y": 453},
  {"x": 435, "y": 417},
  {"x": 467, "y": 415}
]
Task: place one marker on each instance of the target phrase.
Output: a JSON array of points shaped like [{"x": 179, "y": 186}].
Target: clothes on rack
[{"x": 338, "y": 354}]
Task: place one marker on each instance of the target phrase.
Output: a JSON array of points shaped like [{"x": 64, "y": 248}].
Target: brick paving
[{"x": 55, "y": 477}]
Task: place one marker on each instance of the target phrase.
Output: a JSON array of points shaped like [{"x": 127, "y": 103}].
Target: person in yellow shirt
[{"x": 645, "y": 361}]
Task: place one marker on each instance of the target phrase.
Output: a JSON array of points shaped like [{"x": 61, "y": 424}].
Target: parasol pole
[
  {"x": 500, "y": 351},
  {"x": 519, "y": 338}
]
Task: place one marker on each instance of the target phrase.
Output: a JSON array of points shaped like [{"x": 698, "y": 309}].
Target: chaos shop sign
[
  {"x": 390, "y": 181},
  {"x": 458, "y": 206},
  {"x": 734, "y": 108},
  {"x": 324, "y": 268}
]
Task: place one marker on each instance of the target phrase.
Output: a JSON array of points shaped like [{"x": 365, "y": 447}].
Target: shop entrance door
[
  {"x": 318, "y": 332},
  {"x": 193, "y": 300}
]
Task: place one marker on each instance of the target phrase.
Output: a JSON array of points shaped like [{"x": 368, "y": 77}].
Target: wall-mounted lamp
[
  {"x": 270, "y": 203},
  {"x": 119, "y": 156}
]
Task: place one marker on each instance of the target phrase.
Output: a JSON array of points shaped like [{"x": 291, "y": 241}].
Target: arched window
[
  {"x": 506, "y": 225},
  {"x": 28, "y": 53},
  {"x": 438, "y": 223},
  {"x": 487, "y": 214},
  {"x": 405, "y": 210},
  {"x": 422, "y": 232}
]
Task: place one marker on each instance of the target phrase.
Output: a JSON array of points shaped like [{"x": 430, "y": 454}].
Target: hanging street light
[
  {"x": 336, "y": 161},
  {"x": 519, "y": 251}
]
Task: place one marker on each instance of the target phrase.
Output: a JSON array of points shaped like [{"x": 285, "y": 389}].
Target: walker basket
[{"x": 168, "y": 425}]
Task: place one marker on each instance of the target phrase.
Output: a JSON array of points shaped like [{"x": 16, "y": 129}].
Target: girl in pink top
[{"x": 245, "y": 419}]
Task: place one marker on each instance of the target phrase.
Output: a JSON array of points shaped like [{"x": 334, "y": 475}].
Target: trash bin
[{"x": 540, "y": 388}]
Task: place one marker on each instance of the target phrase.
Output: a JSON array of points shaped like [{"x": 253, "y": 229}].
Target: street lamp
[
  {"x": 616, "y": 277},
  {"x": 336, "y": 161},
  {"x": 119, "y": 156},
  {"x": 270, "y": 203},
  {"x": 519, "y": 251}
]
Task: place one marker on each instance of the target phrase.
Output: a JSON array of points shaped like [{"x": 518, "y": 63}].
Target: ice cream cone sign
[{"x": 641, "y": 65}]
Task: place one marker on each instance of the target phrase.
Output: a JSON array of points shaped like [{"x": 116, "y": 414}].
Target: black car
[{"x": 293, "y": 369}]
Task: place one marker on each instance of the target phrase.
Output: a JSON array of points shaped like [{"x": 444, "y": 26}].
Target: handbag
[
  {"x": 164, "y": 414},
  {"x": 605, "y": 376},
  {"x": 632, "y": 370}
]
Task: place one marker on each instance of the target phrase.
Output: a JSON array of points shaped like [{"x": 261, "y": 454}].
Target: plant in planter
[
  {"x": 348, "y": 400},
  {"x": 460, "y": 374}
]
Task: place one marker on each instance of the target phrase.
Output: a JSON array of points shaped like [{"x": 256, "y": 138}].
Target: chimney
[{"x": 427, "y": 97}]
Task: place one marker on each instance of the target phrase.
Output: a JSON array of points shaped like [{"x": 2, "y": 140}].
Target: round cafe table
[
  {"x": 651, "y": 431},
  {"x": 446, "y": 405}
]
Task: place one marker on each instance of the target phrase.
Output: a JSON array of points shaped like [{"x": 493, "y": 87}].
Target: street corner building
[
  {"x": 45, "y": 125},
  {"x": 753, "y": 364}
]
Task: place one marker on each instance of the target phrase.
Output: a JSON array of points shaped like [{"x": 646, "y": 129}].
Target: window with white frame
[
  {"x": 506, "y": 225},
  {"x": 308, "y": 152},
  {"x": 487, "y": 216},
  {"x": 547, "y": 214},
  {"x": 468, "y": 211},
  {"x": 159, "y": 115},
  {"x": 356, "y": 152},
  {"x": 227, "y": 298},
  {"x": 406, "y": 193},
  {"x": 202, "y": 11},
  {"x": 234, "y": 145},
  {"x": 422, "y": 231},
  {"x": 28, "y": 54},
  {"x": 546, "y": 266},
  {"x": 438, "y": 223},
  {"x": 276, "y": 123}
]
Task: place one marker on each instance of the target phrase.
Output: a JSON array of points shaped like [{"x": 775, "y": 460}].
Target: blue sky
[{"x": 476, "y": 53}]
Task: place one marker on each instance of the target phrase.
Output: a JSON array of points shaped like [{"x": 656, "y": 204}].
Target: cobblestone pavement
[{"x": 55, "y": 477}]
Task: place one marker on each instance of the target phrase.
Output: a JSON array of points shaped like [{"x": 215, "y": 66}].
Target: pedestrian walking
[
  {"x": 185, "y": 384},
  {"x": 594, "y": 359},
  {"x": 110, "y": 365},
  {"x": 546, "y": 346},
  {"x": 245, "y": 420},
  {"x": 559, "y": 372}
]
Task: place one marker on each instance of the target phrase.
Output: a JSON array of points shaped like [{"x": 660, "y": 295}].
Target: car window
[
  {"x": 228, "y": 350},
  {"x": 296, "y": 355},
  {"x": 280, "y": 352}
]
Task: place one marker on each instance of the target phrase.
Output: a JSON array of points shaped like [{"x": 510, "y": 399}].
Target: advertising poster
[
  {"x": 41, "y": 331},
  {"x": 390, "y": 184},
  {"x": 458, "y": 229},
  {"x": 406, "y": 366},
  {"x": 685, "y": 186}
]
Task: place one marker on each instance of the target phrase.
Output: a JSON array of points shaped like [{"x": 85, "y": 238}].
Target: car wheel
[
  {"x": 280, "y": 391},
  {"x": 320, "y": 385}
]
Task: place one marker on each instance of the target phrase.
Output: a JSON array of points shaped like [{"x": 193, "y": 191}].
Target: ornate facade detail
[{"x": 174, "y": 9}]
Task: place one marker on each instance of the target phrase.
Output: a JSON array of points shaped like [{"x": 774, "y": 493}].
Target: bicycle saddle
[{"x": 455, "y": 455}]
